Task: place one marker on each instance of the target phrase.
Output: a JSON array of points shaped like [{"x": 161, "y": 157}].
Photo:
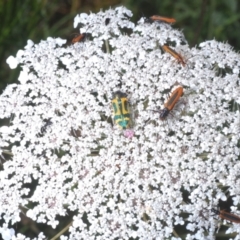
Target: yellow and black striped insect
[
  {"x": 226, "y": 215},
  {"x": 171, "y": 102},
  {"x": 121, "y": 110}
]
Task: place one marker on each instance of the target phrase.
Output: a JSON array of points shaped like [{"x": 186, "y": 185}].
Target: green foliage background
[
  {"x": 37, "y": 19},
  {"x": 200, "y": 20}
]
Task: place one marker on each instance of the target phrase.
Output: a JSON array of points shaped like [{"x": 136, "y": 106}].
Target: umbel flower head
[{"x": 138, "y": 185}]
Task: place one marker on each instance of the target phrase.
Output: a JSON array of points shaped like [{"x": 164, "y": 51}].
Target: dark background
[{"x": 200, "y": 20}]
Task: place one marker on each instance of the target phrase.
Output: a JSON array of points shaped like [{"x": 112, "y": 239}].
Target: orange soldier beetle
[
  {"x": 171, "y": 102},
  {"x": 162, "y": 19},
  {"x": 79, "y": 38},
  {"x": 226, "y": 215},
  {"x": 176, "y": 55}
]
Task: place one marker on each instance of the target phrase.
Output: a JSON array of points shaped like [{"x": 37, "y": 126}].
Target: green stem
[{"x": 62, "y": 231}]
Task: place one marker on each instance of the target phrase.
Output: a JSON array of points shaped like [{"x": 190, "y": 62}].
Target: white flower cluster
[{"x": 60, "y": 134}]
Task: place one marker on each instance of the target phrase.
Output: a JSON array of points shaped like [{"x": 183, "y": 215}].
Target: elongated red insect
[
  {"x": 171, "y": 102},
  {"x": 162, "y": 19},
  {"x": 176, "y": 55},
  {"x": 226, "y": 215},
  {"x": 79, "y": 38}
]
